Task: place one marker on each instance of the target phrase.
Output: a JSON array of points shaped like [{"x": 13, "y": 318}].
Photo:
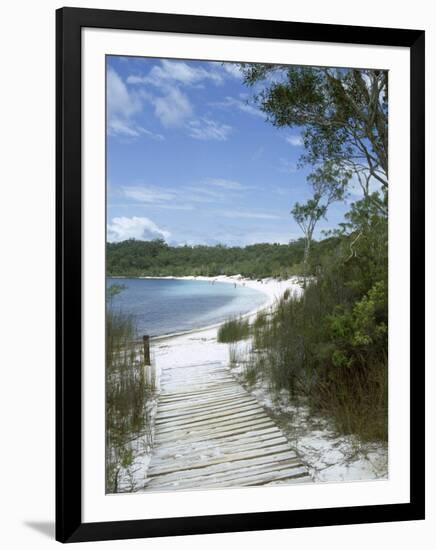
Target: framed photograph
[{"x": 240, "y": 265}]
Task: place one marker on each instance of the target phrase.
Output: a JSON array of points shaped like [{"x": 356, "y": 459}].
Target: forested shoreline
[{"x": 133, "y": 258}]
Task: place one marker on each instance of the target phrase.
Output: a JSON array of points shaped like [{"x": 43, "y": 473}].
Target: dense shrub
[{"x": 331, "y": 344}]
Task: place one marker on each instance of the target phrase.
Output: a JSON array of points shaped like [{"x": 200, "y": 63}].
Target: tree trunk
[{"x": 306, "y": 258}]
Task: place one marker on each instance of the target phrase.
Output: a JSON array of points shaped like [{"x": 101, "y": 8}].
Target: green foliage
[
  {"x": 234, "y": 330},
  {"x": 369, "y": 317},
  {"x": 113, "y": 291},
  {"x": 251, "y": 371},
  {"x": 342, "y": 115},
  {"x": 233, "y": 354},
  {"x": 262, "y": 317},
  {"x": 126, "y": 394},
  {"x": 156, "y": 258},
  {"x": 330, "y": 344}
]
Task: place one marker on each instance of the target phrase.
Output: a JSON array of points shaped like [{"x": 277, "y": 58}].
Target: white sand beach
[
  {"x": 201, "y": 345},
  {"x": 328, "y": 456}
]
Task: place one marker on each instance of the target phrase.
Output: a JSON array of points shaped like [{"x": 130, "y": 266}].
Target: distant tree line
[{"x": 157, "y": 259}]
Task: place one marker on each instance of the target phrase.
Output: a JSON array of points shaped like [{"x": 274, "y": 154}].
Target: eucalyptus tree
[
  {"x": 328, "y": 184},
  {"x": 342, "y": 115}
]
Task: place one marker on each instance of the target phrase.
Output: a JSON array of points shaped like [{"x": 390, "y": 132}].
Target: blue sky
[{"x": 192, "y": 160}]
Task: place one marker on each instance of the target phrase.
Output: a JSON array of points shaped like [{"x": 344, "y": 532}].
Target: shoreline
[
  {"x": 273, "y": 289},
  {"x": 329, "y": 456},
  {"x": 200, "y": 345}
]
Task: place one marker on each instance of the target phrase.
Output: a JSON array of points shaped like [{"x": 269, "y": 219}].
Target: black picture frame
[{"x": 69, "y": 525}]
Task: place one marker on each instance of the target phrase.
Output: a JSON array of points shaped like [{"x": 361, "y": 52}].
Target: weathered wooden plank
[
  {"x": 196, "y": 378},
  {"x": 258, "y": 479},
  {"x": 211, "y": 385},
  {"x": 199, "y": 366},
  {"x": 235, "y": 476},
  {"x": 202, "y": 395},
  {"x": 211, "y": 420},
  {"x": 270, "y": 474},
  {"x": 195, "y": 462},
  {"x": 215, "y": 443},
  {"x": 219, "y": 436},
  {"x": 187, "y": 413},
  {"x": 210, "y": 432},
  {"x": 223, "y": 467},
  {"x": 196, "y": 405},
  {"x": 206, "y": 415},
  {"x": 180, "y": 389},
  {"x": 256, "y": 438},
  {"x": 217, "y": 431},
  {"x": 205, "y": 449},
  {"x": 201, "y": 401}
]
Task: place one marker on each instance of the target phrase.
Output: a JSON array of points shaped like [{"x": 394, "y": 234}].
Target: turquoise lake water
[{"x": 165, "y": 306}]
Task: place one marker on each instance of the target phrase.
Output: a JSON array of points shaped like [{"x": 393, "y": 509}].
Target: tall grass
[
  {"x": 126, "y": 396},
  {"x": 234, "y": 330},
  {"x": 233, "y": 354},
  {"x": 335, "y": 355}
]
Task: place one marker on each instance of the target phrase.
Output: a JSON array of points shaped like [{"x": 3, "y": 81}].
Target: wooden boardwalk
[{"x": 211, "y": 433}]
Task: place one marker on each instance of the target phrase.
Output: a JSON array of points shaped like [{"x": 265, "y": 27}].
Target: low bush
[{"x": 234, "y": 330}]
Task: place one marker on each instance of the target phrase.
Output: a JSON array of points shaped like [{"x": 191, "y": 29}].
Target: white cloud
[
  {"x": 164, "y": 206},
  {"x": 237, "y": 214},
  {"x": 174, "y": 206},
  {"x": 152, "y": 135},
  {"x": 127, "y": 128},
  {"x": 226, "y": 184},
  {"x": 200, "y": 193},
  {"x": 148, "y": 194},
  {"x": 207, "y": 129},
  {"x": 122, "y": 106},
  {"x": 154, "y": 197},
  {"x": 144, "y": 229},
  {"x": 210, "y": 190},
  {"x": 233, "y": 69},
  {"x": 173, "y": 198},
  {"x": 240, "y": 104},
  {"x": 120, "y": 102},
  {"x": 295, "y": 141},
  {"x": 180, "y": 72},
  {"x": 119, "y": 127},
  {"x": 173, "y": 108}
]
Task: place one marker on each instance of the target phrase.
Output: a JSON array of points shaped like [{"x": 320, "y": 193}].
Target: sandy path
[{"x": 210, "y": 432}]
